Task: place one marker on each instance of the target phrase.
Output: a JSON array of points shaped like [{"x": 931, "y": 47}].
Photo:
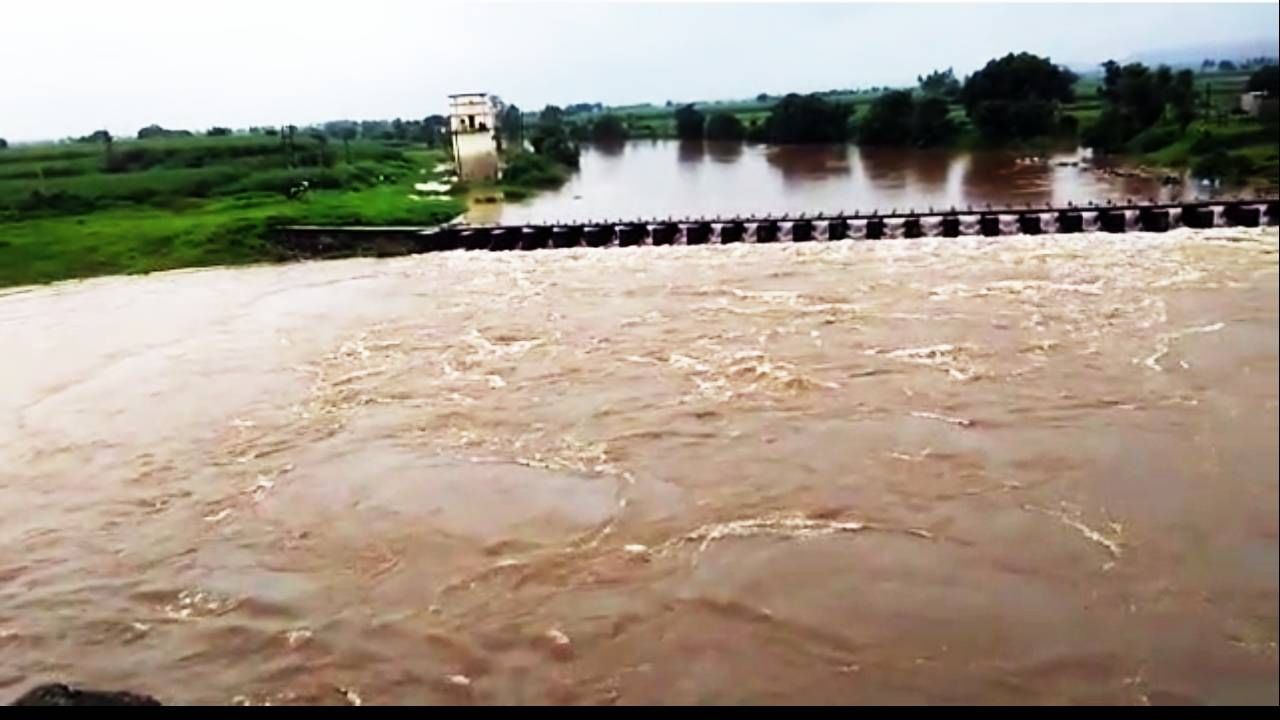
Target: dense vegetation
[
  {"x": 1135, "y": 98},
  {"x": 608, "y": 128},
  {"x": 551, "y": 138},
  {"x": 1265, "y": 79},
  {"x": 690, "y": 123},
  {"x": 900, "y": 118},
  {"x": 723, "y": 126},
  {"x": 806, "y": 119},
  {"x": 1017, "y": 97}
]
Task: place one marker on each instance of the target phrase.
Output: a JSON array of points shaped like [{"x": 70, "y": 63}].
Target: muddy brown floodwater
[
  {"x": 1011, "y": 470},
  {"x": 662, "y": 178}
]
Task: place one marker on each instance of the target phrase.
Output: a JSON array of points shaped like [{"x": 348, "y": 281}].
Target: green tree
[
  {"x": 807, "y": 119},
  {"x": 107, "y": 141},
  {"x": 322, "y": 154},
  {"x": 347, "y": 133},
  {"x": 1135, "y": 99},
  {"x": 725, "y": 126},
  {"x": 1265, "y": 79},
  {"x": 512, "y": 123},
  {"x": 931, "y": 122},
  {"x": 1016, "y": 96},
  {"x": 551, "y": 138},
  {"x": 1181, "y": 96},
  {"x": 1223, "y": 166},
  {"x": 608, "y": 128},
  {"x": 1226, "y": 66},
  {"x": 155, "y": 131},
  {"x": 898, "y": 118},
  {"x": 4, "y": 144},
  {"x": 435, "y": 128},
  {"x": 551, "y": 115},
  {"x": 888, "y": 120},
  {"x": 690, "y": 123},
  {"x": 376, "y": 130},
  {"x": 218, "y": 132},
  {"x": 941, "y": 83}
]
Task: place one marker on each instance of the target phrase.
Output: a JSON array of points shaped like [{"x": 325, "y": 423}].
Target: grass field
[{"x": 76, "y": 210}]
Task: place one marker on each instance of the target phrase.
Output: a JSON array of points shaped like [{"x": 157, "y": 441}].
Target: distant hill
[
  {"x": 1193, "y": 55},
  {"x": 1188, "y": 56}
]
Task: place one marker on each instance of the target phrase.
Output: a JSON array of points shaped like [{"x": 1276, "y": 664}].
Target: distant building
[
  {"x": 473, "y": 123},
  {"x": 1259, "y": 105}
]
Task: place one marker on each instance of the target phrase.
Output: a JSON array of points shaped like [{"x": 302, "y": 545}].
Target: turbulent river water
[{"x": 971, "y": 470}]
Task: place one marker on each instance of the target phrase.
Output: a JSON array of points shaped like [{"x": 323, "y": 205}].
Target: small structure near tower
[{"x": 473, "y": 123}]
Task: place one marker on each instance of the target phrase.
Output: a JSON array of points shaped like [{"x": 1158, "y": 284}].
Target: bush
[
  {"x": 1223, "y": 166},
  {"x": 1153, "y": 139},
  {"x": 155, "y": 131},
  {"x": 531, "y": 170},
  {"x": 552, "y": 139},
  {"x": 888, "y": 120},
  {"x": 608, "y": 128},
  {"x": 725, "y": 126},
  {"x": 931, "y": 122},
  {"x": 690, "y": 124},
  {"x": 807, "y": 119},
  {"x": 897, "y": 118},
  {"x": 361, "y": 174},
  {"x": 57, "y": 202},
  {"x": 284, "y": 181},
  {"x": 1266, "y": 80},
  {"x": 1206, "y": 142}
]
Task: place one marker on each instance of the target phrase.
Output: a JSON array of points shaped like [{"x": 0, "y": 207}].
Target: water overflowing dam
[{"x": 947, "y": 223}]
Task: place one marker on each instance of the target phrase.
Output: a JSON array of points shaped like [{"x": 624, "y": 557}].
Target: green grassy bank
[{"x": 74, "y": 210}]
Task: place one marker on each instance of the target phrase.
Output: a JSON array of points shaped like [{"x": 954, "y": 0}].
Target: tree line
[
  {"x": 1209, "y": 64},
  {"x": 1017, "y": 97}
]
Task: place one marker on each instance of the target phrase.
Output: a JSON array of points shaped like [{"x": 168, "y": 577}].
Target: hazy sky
[{"x": 70, "y": 67}]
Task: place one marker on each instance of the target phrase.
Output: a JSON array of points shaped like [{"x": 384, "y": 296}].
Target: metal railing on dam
[{"x": 317, "y": 241}]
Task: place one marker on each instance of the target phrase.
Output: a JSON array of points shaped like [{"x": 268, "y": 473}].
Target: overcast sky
[{"x": 67, "y": 68}]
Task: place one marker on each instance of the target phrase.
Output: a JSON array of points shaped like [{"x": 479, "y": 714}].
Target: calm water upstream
[
  {"x": 657, "y": 178},
  {"x": 1018, "y": 470}
]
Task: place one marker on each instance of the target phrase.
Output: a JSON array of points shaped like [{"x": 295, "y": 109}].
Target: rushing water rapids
[{"x": 1009, "y": 470}]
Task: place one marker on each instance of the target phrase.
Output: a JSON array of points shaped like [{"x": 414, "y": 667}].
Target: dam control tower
[{"x": 473, "y": 125}]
